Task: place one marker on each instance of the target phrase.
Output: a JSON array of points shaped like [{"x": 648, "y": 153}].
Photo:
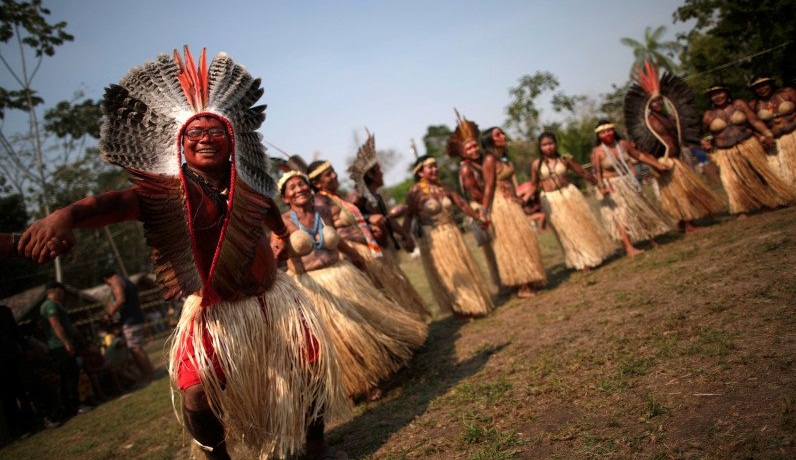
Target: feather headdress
[
  {"x": 466, "y": 131},
  {"x": 678, "y": 101},
  {"x": 365, "y": 160},
  {"x": 144, "y": 119}
]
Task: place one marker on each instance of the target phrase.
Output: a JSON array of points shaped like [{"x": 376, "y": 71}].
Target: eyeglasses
[{"x": 198, "y": 134}]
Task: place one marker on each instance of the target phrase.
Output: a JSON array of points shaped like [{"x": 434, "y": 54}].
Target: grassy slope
[{"x": 686, "y": 351}]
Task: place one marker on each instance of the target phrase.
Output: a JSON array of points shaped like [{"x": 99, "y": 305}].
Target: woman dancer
[
  {"x": 776, "y": 107},
  {"x": 386, "y": 271},
  {"x": 248, "y": 374},
  {"x": 661, "y": 118},
  {"x": 477, "y": 181},
  {"x": 354, "y": 229},
  {"x": 519, "y": 257},
  {"x": 585, "y": 242},
  {"x": 373, "y": 336},
  {"x": 629, "y": 215},
  {"x": 454, "y": 277},
  {"x": 745, "y": 173}
]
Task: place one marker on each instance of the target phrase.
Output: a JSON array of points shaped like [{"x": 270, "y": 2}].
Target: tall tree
[
  {"x": 653, "y": 49},
  {"x": 523, "y": 113},
  {"x": 734, "y": 40}
]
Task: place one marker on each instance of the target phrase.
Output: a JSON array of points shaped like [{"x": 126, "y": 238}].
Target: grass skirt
[
  {"x": 585, "y": 242},
  {"x": 684, "y": 196},
  {"x": 386, "y": 272},
  {"x": 783, "y": 163},
  {"x": 519, "y": 257},
  {"x": 626, "y": 207},
  {"x": 373, "y": 336},
  {"x": 268, "y": 392},
  {"x": 453, "y": 276},
  {"x": 749, "y": 182}
]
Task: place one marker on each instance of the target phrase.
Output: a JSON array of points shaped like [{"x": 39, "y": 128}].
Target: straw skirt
[
  {"x": 630, "y": 208},
  {"x": 386, "y": 273},
  {"x": 783, "y": 162},
  {"x": 519, "y": 258},
  {"x": 748, "y": 180},
  {"x": 373, "y": 336},
  {"x": 585, "y": 242},
  {"x": 455, "y": 280},
  {"x": 684, "y": 196},
  {"x": 266, "y": 364}
]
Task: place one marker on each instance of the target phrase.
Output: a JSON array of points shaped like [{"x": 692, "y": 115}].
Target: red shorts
[{"x": 188, "y": 374}]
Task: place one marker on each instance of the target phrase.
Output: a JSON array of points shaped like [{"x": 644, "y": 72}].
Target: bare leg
[
  {"x": 203, "y": 425},
  {"x": 629, "y": 248}
]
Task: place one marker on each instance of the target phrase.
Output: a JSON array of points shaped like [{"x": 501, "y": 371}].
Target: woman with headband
[
  {"x": 455, "y": 280},
  {"x": 373, "y": 336},
  {"x": 628, "y": 214}
]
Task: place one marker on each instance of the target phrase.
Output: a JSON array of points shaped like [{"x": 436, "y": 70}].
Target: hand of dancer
[{"x": 47, "y": 238}]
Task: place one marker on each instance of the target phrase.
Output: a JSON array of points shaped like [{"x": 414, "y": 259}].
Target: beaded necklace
[{"x": 316, "y": 234}]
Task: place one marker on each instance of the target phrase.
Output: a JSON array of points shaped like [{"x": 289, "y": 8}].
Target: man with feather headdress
[
  {"x": 661, "y": 119},
  {"x": 249, "y": 356}
]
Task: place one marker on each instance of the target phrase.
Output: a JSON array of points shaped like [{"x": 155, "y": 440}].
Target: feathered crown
[
  {"x": 365, "y": 160},
  {"x": 144, "y": 118},
  {"x": 678, "y": 100},
  {"x": 466, "y": 131}
]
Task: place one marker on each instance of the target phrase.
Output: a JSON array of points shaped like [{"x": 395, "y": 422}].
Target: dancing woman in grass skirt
[
  {"x": 386, "y": 270},
  {"x": 519, "y": 256},
  {"x": 585, "y": 242},
  {"x": 373, "y": 336},
  {"x": 627, "y": 212},
  {"x": 776, "y": 107},
  {"x": 455, "y": 280}
]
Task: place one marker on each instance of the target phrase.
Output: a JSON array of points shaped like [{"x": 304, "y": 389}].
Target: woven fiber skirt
[
  {"x": 373, "y": 336},
  {"x": 684, "y": 196},
  {"x": 516, "y": 246},
  {"x": 455, "y": 280},
  {"x": 630, "y": 208},
  {"x": 267, "y": 365},
  {"x": 748, "y": 180},
  {"x": 783, "y": 163},
  {"x": 585, "y": 242},
  {"x": 386, "y": 273}
]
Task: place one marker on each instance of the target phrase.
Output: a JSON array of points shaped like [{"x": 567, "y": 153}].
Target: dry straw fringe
[
  {"x": 684, "y": 196},
  {"x": 585, "y": 242},
  {"x": 749, "y": 182},
  {"x": 373, "y": 336},
  {"x": 629, "y": 208},
  {"x": 386, "y": 273},
  {"x": 519, "y": 256},
  {"x": 269, "y": 392},
  {"x": 455, "y": 280},
  {"x": 489, "y": 253},
  {"x": 783, "y": 163}
]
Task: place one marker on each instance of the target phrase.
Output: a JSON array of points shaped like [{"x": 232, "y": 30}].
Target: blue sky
[{"x": 332, "y": 68}]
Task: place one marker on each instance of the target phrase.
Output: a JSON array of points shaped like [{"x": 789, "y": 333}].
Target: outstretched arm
[
  {"x": 643, "y": 157},
  {"x": 580, "y": 171},
  {"x": 52, "y": 236}
]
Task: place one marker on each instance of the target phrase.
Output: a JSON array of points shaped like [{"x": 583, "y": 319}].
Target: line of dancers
[{"x": 264, "y": 358}]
